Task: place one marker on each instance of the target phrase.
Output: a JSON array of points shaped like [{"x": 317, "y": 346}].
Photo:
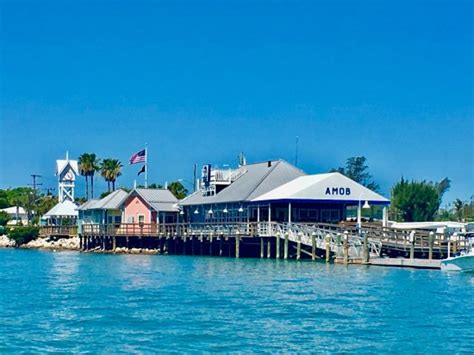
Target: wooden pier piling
[{"x": 237, "y": 247}]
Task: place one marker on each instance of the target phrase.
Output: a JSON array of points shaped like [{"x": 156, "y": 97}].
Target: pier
[{"x": 341, "y": 243}]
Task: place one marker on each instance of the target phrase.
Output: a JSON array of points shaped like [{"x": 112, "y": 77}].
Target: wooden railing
[
  {"x": 48, "y": 231},
  {"x": 398, "y": 239},
  {"x": 174, "y": 229}
]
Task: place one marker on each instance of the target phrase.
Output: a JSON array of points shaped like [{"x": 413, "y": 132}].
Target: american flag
[{"x": 139, "y": 157}]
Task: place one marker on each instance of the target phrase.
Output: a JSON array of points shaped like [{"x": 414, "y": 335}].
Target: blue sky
[{"x": 200, "y": 81}]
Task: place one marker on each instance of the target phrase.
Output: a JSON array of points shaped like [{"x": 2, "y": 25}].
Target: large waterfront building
[{"x": 274, "y": 191}]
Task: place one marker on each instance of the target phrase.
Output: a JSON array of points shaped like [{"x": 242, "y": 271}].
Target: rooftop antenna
[
  {"x": 296, "y": 151},
  {"x": 67, "y": 155}
]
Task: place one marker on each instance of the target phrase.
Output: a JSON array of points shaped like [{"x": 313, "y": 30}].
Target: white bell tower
[{"x": 66, "y": 170}]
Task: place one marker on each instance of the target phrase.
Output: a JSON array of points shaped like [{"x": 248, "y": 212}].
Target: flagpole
[{"x": 146, "y": 165}]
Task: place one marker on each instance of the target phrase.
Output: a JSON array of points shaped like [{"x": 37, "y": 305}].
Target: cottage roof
[
  {"x": 161, "y": 200},
  {"x": 258, "y": 179},
  {"x": 62, "y": 209},
  {"x": 112, "y": 201},
  {"x": 331, "y": 187}
]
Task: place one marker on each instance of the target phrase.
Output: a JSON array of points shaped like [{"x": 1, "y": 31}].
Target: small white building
[{"x": 17, "y": 214}]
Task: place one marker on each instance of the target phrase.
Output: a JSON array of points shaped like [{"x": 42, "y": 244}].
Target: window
[
  {"x": 308, "y": 215},
  {"x": 330, "y": 216},
  {"x": 141, "y": 218}
]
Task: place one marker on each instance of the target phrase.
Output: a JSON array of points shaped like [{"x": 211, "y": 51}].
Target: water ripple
[{"x": 72, "y": 302}]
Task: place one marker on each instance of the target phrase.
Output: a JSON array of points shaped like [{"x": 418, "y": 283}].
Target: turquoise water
[{"x": 68, "y": 301}]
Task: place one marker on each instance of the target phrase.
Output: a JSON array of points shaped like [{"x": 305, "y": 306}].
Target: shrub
[
  {"x": 22, "y": 235},
  {"x": 4, "y": 218}
]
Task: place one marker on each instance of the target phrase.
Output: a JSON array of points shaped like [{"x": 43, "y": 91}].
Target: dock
[{"x": 338, "y": 243}]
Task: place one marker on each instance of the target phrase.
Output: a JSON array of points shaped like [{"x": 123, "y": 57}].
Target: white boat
[{"x": 462, "y": 262}]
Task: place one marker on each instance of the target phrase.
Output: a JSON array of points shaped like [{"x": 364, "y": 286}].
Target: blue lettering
[
  {"x": 328, "y": 191},
  {"x": 334, "y": 190},
  {"x": 348, "y": 191}
]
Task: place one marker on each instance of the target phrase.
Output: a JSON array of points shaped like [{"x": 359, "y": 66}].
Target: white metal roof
[
  {"x": 110, "y": 202},
  {"x": 12, "y": 210},
  {"x": 62, "y": 209},
  {"x": 161, "y": 200},
  {"x": 330, "y": 187},
  {"x": 62, "y": 164}
]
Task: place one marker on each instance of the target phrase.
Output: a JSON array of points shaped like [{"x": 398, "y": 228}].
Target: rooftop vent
[{"x": 269, "y": 163}]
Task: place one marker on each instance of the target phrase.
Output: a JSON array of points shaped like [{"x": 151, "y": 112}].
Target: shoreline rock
[
  {"x": 71, "y": 244},
  {"x": 46, "y": 243},
  {"x": 6, "y": 242}
]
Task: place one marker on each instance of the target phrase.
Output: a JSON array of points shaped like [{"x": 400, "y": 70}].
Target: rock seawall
[{"x": 43, "y": 243}]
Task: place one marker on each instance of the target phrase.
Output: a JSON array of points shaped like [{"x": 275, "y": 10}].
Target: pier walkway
[{"x": 272, "y": 239}]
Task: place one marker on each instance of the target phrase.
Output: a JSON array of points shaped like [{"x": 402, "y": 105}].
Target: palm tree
[
  {"x": 111, "y": 169},
  {"x": 84, "y": 167},
  {"x": 88, "y": 165},
  {"x": 94, "y": 166}
]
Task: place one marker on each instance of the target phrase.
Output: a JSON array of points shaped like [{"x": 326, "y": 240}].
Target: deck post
[
  {"x": 237, "y": 247},
  {"x": 366, "y": 247},
  {"x": 114, "y": 243},
  {"x": 328, "y": 247},
  {"x": 277, "y": 246},
  {"x": 269, "y": 248},
  {"x": 449, "y": 247},
  {"x": 210, "y": 245},
  {"x": 261, "y": 247},
  {"x": 184, "y": 245},
  {"x": 345, "y": 245},
  {"x": 285, "y": 247},
  {"x": 412, "y": 244},
  {"x": 430, "y": 245},
  {"x": 298, "y": 248},
  {"x": 220, "y": 246},
  {"x": 313, "y": 247},
  {"x": 103, "y": 242}
]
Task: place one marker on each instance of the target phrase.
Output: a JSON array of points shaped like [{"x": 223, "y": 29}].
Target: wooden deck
[
  {"x": 278, "y": 239},
  {"x": 411, "y": 263}
]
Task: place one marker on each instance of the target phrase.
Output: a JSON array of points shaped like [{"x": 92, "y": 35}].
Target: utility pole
[
  {"x": 35, "y": 185},
  {"x": 194, "y": 177},
  {"x": 296, "y": 151}
]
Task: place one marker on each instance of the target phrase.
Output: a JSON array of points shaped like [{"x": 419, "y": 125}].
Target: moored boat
[{"x": 462, "y": 262}]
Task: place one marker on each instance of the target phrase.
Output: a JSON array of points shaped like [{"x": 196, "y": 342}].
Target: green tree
[
  {"x": 459, "y": 208},
  {"x": 178, "y": 189},
  {"x": 416, "y": 201},
  {"x": 111, "y": 169},
  {"x": 357, "y": 170},
  {"x": 3, "y": 199},
  {"x": 4, "y": 218}
]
